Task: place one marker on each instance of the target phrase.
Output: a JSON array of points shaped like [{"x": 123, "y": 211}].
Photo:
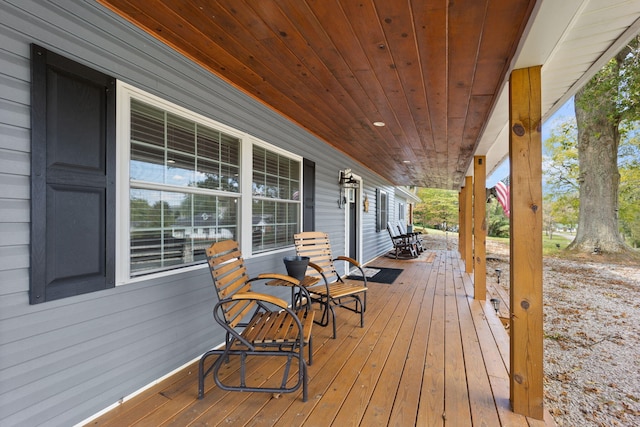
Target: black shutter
[
  {"x": 309, "y": 190},
  {"x": 72, "y": 178}
]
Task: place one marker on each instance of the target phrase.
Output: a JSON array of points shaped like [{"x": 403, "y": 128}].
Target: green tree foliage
[
  {"x": 498, "y": 223},
  {"x": 561, "y": 169},
  {"x": 561, "y": 172},
  {"x": 629, "y": 192},
  {"x": 563, "y": 210},
  {"x": 437, "y": 207}
]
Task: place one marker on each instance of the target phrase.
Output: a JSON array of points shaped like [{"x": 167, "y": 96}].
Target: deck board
[
  {"x": 457, "y": 410},
  {"x": 431, "y": 405},
  {"x": 427, "y": 355},
  {"x": 399, "y": 406}
]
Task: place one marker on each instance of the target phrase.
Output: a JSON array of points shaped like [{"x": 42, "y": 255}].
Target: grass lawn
[{"x": 549, "y": 246}]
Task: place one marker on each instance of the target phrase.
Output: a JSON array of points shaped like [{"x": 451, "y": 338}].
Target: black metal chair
[{"x": 256, "y": 324}]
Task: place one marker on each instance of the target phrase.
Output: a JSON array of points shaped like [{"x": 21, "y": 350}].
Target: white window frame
[
  {"x": 124, "y": 94},
  {"x": 247, "y": 174}
]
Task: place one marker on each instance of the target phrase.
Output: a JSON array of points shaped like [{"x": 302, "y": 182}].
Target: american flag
[{"x": 502, "y": 190}]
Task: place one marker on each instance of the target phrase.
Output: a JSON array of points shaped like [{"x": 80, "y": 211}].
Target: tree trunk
[{"x": 598, "y": 140}]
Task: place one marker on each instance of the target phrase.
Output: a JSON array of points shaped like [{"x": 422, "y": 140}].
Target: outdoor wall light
[
  {"x": 496, "y": 304},
  {"x": 347, "y": 180}
]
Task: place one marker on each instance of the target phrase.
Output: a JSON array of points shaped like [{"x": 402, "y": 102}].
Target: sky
[{"x": 564, "y": 112}]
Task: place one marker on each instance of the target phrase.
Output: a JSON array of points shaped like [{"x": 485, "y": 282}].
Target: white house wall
[{"x": 65, "y": 360}]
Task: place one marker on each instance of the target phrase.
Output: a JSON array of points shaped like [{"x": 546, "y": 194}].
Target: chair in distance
[
  {"x": 403, "y": 246},
  {"x": 333, "y": 289},
  {"x": 415, "y": 236},
  {"x": 256, "y": 324}
]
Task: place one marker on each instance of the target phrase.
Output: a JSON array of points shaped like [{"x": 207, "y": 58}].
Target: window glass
[
  {"x": 382, "y": 210},
  {"x": 184, "y": 189},
  {"x": 276, "y": 200}
]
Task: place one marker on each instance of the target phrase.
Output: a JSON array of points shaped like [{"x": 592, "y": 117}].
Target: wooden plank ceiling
[{"x": 430, "y": 70}]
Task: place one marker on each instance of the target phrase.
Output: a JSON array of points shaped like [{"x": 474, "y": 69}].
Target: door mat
[{"x": 376, "y": 274}]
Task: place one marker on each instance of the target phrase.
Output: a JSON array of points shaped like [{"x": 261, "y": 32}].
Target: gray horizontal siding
[
  {"x": 12, "y": 234},
  {"x": 14, "y": 138},
  {"x": 13, "y": 210},
  {"x": 13, "y": 280},
  {"x": 14, "y": 162},
  {"x": 65, "y": 360}
]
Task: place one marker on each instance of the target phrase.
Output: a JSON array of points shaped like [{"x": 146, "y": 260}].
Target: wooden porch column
[
  {"x": 525, "y": 156},
  {"x": 468, "y": 230},
  {"x": 479, "y": 228},
  {"x": 460, "y": 223}
]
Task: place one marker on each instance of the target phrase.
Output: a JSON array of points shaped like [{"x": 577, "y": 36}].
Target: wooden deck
[{"x": 429, "y": 355}]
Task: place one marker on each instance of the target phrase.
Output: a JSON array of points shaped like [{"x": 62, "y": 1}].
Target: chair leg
[
  {"x": 304, "y": 379},
  {"x": 333, "y": 320},
  {"x": 202, "y": 373},
  {"x": 243, "y": 372}
]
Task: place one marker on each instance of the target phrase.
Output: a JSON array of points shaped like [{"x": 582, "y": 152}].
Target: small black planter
[{"x": 296, "y": 266}]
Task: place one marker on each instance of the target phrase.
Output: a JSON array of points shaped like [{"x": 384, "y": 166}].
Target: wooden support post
[
  {"x": 479, "y": 228},
  {"x": 525, "y": 156},
  {"x": 468, "y": 230},
  {"x": 460, "y": 223}
]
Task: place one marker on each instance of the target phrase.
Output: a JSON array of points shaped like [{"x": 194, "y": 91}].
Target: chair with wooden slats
[
  {"x": 333, "y": 290},
  {"x": 256, "y": 324}
]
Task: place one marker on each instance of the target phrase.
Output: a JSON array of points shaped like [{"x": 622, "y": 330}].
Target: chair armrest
[
  {"x": 259, "y": 300},
  {"x": 320, "y": 271},
  {"x": 350, "y": 260},
  {"x": 316, "y": 267},
  {"x": 276, "y": 276},
  {"x": 260, "y": 297}
]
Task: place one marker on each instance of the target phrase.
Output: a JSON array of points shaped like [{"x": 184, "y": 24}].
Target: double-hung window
[
  {"x": 382, "y": 210},
  {"x": 276, "y": 199},
  {"x": 183, "y": 186}
]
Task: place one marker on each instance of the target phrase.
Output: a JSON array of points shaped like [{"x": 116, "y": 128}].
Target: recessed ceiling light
[{"x": 379, "y": 124}]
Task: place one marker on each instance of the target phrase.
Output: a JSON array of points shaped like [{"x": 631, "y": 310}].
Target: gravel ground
[
  {"x": 591, "y": 339},
  {"x": 591, "y": 336}
]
